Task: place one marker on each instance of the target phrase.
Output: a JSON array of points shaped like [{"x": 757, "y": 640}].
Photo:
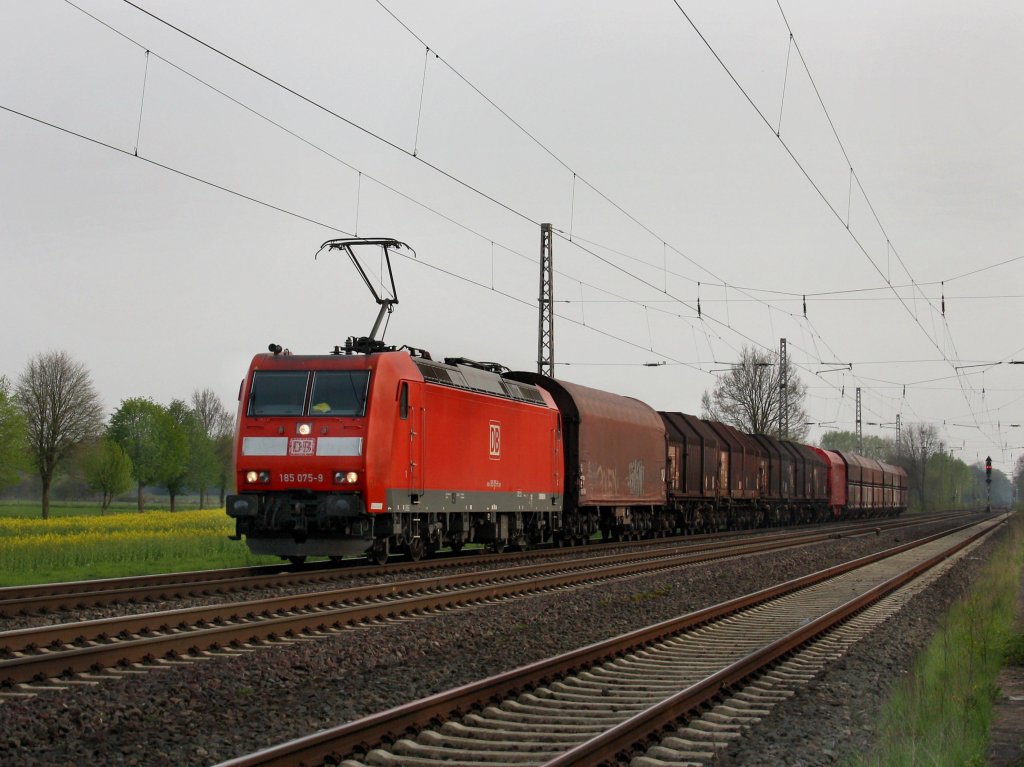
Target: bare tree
[
  {"x": 748, "y": 396},
  {"x": 213, "y": 416},
  {"x": 918, "y": 443},
  {"x": 219, "y": 426},
  {"x": 61, "y": 410}
]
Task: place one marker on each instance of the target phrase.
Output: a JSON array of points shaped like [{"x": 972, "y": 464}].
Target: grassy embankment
[
  {"x": 940, "y": 715},
  {"x": 76, "y": 543}
]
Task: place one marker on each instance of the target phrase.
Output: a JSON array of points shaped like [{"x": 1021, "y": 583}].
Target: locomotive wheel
[
  {"x": 415, "y": 549},
  {"x": 297, "y": 560}
]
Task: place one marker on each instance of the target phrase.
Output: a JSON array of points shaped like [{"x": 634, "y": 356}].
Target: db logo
[
  {"x": 495, "y": 439},
  {"x": 305, "y": 446}
]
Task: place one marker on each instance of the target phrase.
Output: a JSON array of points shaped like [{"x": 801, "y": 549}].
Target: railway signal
[{"x": 988, "y": 483}]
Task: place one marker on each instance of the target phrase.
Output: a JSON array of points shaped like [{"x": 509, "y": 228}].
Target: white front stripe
[
  {"x": 264, "y": 446},
  {"x": 343, "y": 446}
]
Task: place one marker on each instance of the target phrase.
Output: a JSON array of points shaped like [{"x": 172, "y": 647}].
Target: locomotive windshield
[
  {"x": 283, "y": 392},
  {"x": 278, "y": 392},
  {"x": 339, "y": 392}
]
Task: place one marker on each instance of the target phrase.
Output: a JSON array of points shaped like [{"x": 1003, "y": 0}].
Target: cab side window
[{"x": 403, "y": 401}]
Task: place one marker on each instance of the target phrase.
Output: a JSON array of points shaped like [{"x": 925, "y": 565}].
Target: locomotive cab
[{"x": 300, "y": 465}]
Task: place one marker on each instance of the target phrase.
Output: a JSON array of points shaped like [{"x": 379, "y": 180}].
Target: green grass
[
  {"x": 1015, "y": 650},
  {"x": 940, "y": 715},
  {"x": 76, "y": 543},
  {"x": 34, "y": 509}
]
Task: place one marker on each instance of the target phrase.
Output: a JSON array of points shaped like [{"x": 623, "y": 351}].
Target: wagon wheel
[
  {"x": 298, "y": 559},
  {"x": 415, "y": 549},
  {"x": 378, "y": 552}
]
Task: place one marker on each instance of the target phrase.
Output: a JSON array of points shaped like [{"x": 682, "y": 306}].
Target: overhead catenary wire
[
  {"x": 360, "y": 173},
  {"x": 811, "y": 180},
  {"x": 640, "y": 303},
  {"x": 330, "y": 227},
  {"x": 317, "y": 105},
  {"x": 571, "y": 235},
  {"x": 537, "y": 141},
  {"x": 726, "y": 324},
  {"x": 172, "y": 169},
  {"x": 366, "y": 130},
  {"x": 312, "y": 145},
  {"x": 814, "y": 184},
  {"x": 279, "y": 208},
  {"x": 853, "y": 177}
]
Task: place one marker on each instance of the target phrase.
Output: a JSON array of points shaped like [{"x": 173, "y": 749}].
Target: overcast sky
[{"x": 665, "y": 181}]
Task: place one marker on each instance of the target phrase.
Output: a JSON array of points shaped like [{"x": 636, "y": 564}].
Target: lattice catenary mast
[
  {"x": 546, "y": 329},
  {"x": 783, "y": 393}
]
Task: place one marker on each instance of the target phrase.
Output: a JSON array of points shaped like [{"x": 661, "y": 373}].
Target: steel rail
[
  {"x": 360, "y": 736},
  {"x": 78, "y": 632},
  {"x": 71, "y": 595},
  {"x": 38, "y": 653},
  {"x": 619, "y": 743}
]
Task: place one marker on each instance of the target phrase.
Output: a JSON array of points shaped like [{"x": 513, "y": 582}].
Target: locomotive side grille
[
  {"x": 478, "y": 380},
  {"x": 527, "y": 393},
  {"x": 434, "y": 373}
]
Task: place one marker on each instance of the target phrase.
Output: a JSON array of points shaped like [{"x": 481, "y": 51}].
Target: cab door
[{"x": 411, "y": 413}]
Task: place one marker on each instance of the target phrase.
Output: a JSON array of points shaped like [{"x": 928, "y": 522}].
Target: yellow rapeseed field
[{"x": 87, "y": 546}]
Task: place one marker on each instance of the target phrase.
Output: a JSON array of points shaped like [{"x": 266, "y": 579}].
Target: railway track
[
  {"x": 59, "y": 651},
  {"x": 609, "y": 702},
  {"x": 78, "y": 595}
]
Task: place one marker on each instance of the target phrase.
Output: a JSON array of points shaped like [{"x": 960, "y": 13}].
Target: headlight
[
  {"x": 251, "y": 476},
  {"x": 346, "y": 477},
  {"x": 257, "y": 476},
  {"x": 304, "y": 429},
  {"x": 351, "y": 477}
]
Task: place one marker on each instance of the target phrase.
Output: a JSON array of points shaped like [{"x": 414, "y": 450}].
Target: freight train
[{"x": 374, "y": 450}]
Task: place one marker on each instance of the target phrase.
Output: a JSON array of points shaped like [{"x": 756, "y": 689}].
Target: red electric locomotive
[{"x": 346, "y": 454}]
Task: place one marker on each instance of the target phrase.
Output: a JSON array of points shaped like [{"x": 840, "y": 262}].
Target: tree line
[
  {"x": 52, "y": 413},
  {"x": 936, "y": 479}
]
